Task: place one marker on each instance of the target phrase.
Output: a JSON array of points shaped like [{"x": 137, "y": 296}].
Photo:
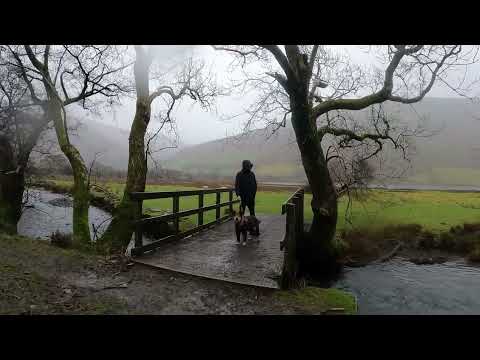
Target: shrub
[
  {"x": 447, "y": 241},
  {"x": 474, "y": 255}
]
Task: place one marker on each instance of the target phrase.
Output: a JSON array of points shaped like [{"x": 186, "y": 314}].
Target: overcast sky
[{"x": 197, "y": 126}]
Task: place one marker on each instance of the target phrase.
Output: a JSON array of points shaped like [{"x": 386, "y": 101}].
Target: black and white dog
[{"x": 245, "y": 224}]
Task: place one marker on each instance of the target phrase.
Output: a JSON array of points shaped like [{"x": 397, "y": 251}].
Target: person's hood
[{"x": 246, "y": 165}]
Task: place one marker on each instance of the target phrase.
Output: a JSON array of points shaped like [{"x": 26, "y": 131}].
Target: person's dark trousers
[{"x": 250, "y": 203}]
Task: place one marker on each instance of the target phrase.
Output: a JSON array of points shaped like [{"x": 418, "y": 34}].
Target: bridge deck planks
[{"x": 215, "y": 254}]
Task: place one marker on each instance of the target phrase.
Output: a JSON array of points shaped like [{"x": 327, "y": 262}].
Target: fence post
[
  {"x": 298, "y": 219},
  {"x": 217, "y": 213},
  {"x": 302, "y": 210},
  {"x": 176, "y": 207},
  {"x": 200, "y": 205},
  {"x": 289, "y": 270},
  {"x": 230, "y": 199},
  {"x": 138, "y": 228}
]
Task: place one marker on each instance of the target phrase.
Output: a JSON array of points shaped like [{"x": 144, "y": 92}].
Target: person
[{"x": 246, "y": 187}]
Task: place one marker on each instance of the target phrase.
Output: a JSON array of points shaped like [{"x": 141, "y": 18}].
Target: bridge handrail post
[
  {"x": 175, "y": 210},
  {"x": 289, "y": 270},
  {"x": 230, "y": 198},
  {"x": 217, "y": 210},
  {"x": 200, "y": 205},
  {"x": 301, "y": 210},
  {"x": 138, "y": 228}
]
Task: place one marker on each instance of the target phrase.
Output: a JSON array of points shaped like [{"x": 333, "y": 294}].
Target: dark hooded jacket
[{"x": 245, "y": 182}]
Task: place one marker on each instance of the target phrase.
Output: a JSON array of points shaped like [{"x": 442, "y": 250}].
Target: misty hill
[
  {"x": 108, "y": 143},
  {"x": 451, "y": 156}
]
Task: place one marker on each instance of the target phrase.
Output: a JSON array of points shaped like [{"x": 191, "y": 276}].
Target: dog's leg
[
  {"x": 237, "y": 231},
  {"x": 244, "y": 235}
]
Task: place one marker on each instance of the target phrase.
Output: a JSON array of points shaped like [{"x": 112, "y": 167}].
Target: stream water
[
  {"x": 401, "y": 287},
  {"x": 47, "y": 212},
  {"x": 393, "y": 287}
]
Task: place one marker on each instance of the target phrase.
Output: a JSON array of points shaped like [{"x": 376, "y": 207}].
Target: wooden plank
[
  {"x": 146, "y": 262},
  {"x": 217, "y": 202},
  {"x": 153, "y": 245},
  {"x": 289, "y": 200},
  {"x": 200, "y": 228},
  {"x": 176, "y": 208},
  {"x": 289, "y": 270},
  {"x": 169, "y": 194},
  {"x": 183, "y": 213},
  {"x": 171, "y": 238},
  {"x": 301, "y": 210},
  {"x": 212, "y": 252},
  {"x": 138, "y": 229},
  {"x": 200, "y": 206}
]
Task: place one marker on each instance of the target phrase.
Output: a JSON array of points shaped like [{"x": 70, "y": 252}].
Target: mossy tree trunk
[
  {"x": 81, "y": 194},
  {"x": 12, "y": 183},
  {"x": 82, "y": 72},
  {"x": 119, "y": 232},
  {"x": 13, "y": 164},
  {"x": 317, "y": 247}
]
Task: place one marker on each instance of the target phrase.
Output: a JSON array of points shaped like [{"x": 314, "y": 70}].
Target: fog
[{"x": 197, "y": 126}]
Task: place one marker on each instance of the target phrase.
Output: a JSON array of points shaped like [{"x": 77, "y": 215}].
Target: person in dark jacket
[{"x": 246, "y": 187}]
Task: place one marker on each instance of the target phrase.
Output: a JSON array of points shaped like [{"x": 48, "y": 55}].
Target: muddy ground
[{"x": 39, "y": 278}]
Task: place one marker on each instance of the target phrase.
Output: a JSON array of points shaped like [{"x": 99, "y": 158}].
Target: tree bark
[
  {"x": 12, "y": 184},
  {"x": 316, "y": 250},
  {"x": 119, "y": 232},
  {"x": 81, "y": 194}
]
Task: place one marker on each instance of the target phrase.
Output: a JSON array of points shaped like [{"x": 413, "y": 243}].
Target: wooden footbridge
[{"x": 210, "y": 249}]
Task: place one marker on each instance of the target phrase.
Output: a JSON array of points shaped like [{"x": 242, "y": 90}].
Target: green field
[
  {"x": 435, "y": 210},
  {"x": 447, "y": 176}
]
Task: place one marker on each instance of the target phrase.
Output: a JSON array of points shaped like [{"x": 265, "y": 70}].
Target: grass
[
  {"x": 448, "y": 176},
  {"x": 37, "y": 278},
  {"x": 279, "y": 169},
  {"x": 436, "y": 211},
  {"x": 30, "y": 281},
  {"x": 319, "y": 300}
]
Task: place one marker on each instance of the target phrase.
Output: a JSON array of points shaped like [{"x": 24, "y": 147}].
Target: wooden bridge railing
[
  {"x": 176, "y": 214},
  {"x": 293, "y": 208}
]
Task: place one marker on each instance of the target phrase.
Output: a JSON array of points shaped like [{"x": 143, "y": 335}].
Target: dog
[{"x": 245, "y": 224}]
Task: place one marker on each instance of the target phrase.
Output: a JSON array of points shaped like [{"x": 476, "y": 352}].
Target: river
[
  {"x": 393, "y": 287},
  {"x": 45, "y": 217},
  {"x": 403, "y": 288}
]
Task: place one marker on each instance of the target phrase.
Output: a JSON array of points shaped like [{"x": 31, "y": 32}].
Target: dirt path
[{"x": 38, "y": 278}]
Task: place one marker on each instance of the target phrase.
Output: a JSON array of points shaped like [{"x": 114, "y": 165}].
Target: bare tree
[
  {"x": 57, "y": 76},
  {"x": 190, "y": 82},
  {"x": 313, "y": 87},
  {"x": 21, "y": 124}
]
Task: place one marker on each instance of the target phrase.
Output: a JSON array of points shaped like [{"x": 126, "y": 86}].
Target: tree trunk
[
  {"x": 12, "y": 184},
  {"x": 119, "y": 232},
  {"x": 81, "y": 194},
  {"x": 317, "y": 255}
]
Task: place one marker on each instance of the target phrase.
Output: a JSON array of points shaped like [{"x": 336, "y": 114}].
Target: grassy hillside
[
  {"x": 105, "y": 143},
  {"x": 450, "y": 157}
]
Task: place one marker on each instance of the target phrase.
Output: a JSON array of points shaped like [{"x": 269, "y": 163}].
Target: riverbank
[
  {"x": 410, "y": 242},
  {"x": 101, "y": 197},
  {"x": 38, "y": 278}
]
